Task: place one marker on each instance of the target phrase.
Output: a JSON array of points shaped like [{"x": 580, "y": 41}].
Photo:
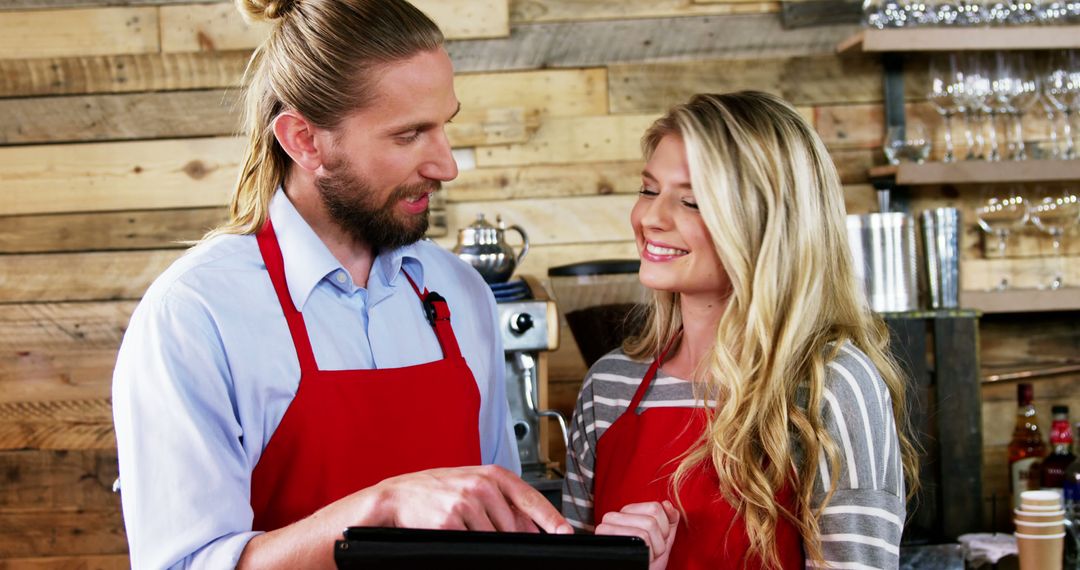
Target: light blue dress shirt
[{"x": 207, "y": 369}]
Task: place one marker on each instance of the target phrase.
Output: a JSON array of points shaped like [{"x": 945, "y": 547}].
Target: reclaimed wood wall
[{"x": 118, "y": 142}]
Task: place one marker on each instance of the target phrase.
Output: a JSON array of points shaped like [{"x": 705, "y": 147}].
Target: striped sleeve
[
  {"x": 862, "y": 523},
  {"x": 577, "y": 499}
]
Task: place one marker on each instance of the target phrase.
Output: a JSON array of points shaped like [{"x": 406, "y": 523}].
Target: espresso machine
[{"x": 529, "y": 326}]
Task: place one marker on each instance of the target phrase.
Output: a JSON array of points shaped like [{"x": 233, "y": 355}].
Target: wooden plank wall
[{"x": 118, "y": 143}]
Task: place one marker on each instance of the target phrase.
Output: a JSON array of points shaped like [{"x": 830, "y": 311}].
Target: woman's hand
[{"x": 653, "y": 522}]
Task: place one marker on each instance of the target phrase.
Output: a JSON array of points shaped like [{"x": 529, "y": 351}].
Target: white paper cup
[
  {"x": 1040, "y": 501},
  {"x": 1038, "y": 516},
  {"x": 1040, "y": 552},
  {"x": 1048, "y": 528}
]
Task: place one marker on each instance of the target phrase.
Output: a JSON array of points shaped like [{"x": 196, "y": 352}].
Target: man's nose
[{"x": 440, "y": 164}]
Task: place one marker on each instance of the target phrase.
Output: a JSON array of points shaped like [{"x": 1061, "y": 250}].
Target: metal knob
[{"x": 520, "y": 323}]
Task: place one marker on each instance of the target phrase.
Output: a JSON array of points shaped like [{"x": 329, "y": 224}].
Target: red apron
[
  {"x": 635, "y": 460},
  {"x": 349, "y": 429}
]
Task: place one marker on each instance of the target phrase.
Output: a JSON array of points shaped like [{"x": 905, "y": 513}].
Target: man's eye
[{"x": 408, "y": 137}]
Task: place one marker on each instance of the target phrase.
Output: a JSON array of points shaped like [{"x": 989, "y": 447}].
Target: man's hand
[
  {"x": 468, "y": 498},
  {"x": 653, "y": 522}
]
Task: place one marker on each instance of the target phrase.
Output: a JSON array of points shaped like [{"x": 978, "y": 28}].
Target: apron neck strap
[
  {"x": 651, "y": 374},
  {"x": 437, "y": 312},
  {"x": 275, "y": 266}
]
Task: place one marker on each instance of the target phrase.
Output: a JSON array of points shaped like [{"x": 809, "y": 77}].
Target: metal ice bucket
[{"x": 884, "y": 252}]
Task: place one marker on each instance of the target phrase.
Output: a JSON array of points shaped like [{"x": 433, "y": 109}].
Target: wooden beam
[
  {"x": 100, "y": 275},
  {"x": 61, "y": 532},
  {"x": 57, "y": 353},
  {"x": 100, "y": 31},
  {"x": 654, "y": 87},
  {"x": 597, "y": 43},
  {"x": 585, "y": 219},
  {"x": 573, "y": 140},
  {"x": 66, "y": 425},
  {"x": 546, "y": 181},
  {"x": 80, "y": 562},
  {"x": 118, "y": 176},
  {"x": 536, "y": 11},
  {"x": 139, "y": 229},
  {"x": 52, "y": 4},
  {"x": 549, "y": 92},
  {"x": 1026, "y": 273},
  {"x": 128, "y": 73},
  {"x": 58, "y": 479},
  {"x": 199, "y": 114},
  {"x": 119, "y": 117},
  {"x": 212, "y": 27}
]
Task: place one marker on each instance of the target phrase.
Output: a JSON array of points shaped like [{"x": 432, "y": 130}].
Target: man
[{"x": 311, "y": 365}]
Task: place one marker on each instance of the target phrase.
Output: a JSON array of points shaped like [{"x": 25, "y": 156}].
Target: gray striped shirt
[{"x": 861, "y": 525}]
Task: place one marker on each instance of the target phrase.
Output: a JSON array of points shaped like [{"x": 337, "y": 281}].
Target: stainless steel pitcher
[
  {"x": 484, "y": 246},
  {"x": 885, "y": 258}
]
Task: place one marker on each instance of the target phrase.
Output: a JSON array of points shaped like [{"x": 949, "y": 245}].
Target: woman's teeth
[{"x": 657, "y": 250}]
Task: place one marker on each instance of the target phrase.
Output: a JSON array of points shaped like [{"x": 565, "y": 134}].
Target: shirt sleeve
[
  {"x": 185, "y": 478},
  {"x": 862, "y": 523},
  {"x": 577, "y": 500}
]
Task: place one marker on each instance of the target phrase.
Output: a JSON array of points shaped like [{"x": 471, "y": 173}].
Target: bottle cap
[
  {"x": 1025, "y": 394},
  {"x": 1060, "y": 410}
]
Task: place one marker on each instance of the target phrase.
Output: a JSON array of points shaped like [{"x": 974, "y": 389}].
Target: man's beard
[{"x": 350, "y": 200}]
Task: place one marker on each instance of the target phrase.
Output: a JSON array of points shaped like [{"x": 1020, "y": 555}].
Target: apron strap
[
  {"x": 438, "y": 314},
  {"x": 646, "y": 381},
  {"x": 275, "y": 265}
]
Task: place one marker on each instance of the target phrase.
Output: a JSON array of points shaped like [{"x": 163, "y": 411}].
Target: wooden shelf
[
  {"x": 1021, "y": 300},
  {"x": 979, "y": 172},
  {"x": 954, "y": 39}
]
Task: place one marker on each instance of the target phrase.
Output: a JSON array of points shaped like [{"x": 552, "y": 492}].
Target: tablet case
[{"x": 385, "y": 548}]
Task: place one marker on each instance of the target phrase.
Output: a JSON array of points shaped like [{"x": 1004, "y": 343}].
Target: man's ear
[{"x": 296, "y": 135}]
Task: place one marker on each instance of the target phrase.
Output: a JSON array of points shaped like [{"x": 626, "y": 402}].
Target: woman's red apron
[
  {"x": 349, "y": 429},
  {"x": 635, "y": 460}
]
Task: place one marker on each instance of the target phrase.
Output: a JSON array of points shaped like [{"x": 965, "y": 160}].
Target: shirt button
[{"x": 341, "y": 277}]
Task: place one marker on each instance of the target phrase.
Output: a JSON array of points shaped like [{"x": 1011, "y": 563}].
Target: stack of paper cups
[{"x": 1040, "y": 530}]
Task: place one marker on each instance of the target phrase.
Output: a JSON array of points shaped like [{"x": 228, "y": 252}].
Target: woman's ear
[{"x": 296, "y": 135}]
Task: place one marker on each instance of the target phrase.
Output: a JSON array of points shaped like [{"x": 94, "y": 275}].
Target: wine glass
[
  {"x": 1054, "y": 212},
  {"x": 978, "y": 94},
  {"x": 1060, "y": 92},
  {"x": 906, "y": 143},
  {"x": 946, "y": 94},
  {"x": 1002, "y": 211}
]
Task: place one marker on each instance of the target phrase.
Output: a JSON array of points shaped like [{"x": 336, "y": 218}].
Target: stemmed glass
[
  {"x": 1060, "y": 91},
  {"x": 947, "y": 95},
  {"x": 978, "y": 94},
  {"x": 1053, "y": 213},
  {"x": 1001, "y": 212},
  {"x": 1024, "y": 94}
]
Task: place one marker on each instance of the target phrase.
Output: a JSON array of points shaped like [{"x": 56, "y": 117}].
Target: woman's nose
[{"x": 657, "y": 213}]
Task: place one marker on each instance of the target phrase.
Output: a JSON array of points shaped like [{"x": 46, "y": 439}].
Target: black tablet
[{"x": 381, "y": 548}]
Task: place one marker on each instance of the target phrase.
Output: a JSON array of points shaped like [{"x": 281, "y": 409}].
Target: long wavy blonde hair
[
  {"x": 772, "y": 201},
  {"x": 320, "y": 59}
]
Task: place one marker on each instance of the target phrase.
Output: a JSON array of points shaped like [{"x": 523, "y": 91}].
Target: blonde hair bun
[{"x": 264, "y": 10}]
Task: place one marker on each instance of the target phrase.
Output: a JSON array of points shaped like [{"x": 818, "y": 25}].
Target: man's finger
[{"x": 532, "y": 504}]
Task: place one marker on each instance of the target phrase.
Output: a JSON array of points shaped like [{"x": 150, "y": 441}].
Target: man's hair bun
[{"x": 264, "y": 10}]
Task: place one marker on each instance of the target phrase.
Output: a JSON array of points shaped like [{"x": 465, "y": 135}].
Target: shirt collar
[{"x": 308, "y": 261}]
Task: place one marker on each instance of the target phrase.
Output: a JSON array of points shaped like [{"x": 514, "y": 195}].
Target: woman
[{"x": 753, "y": 422}]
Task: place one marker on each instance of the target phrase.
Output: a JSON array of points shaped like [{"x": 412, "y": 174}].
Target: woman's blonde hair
[
  {"x": 772, "y": 201},
  {"x": 321, "y": 59}
]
